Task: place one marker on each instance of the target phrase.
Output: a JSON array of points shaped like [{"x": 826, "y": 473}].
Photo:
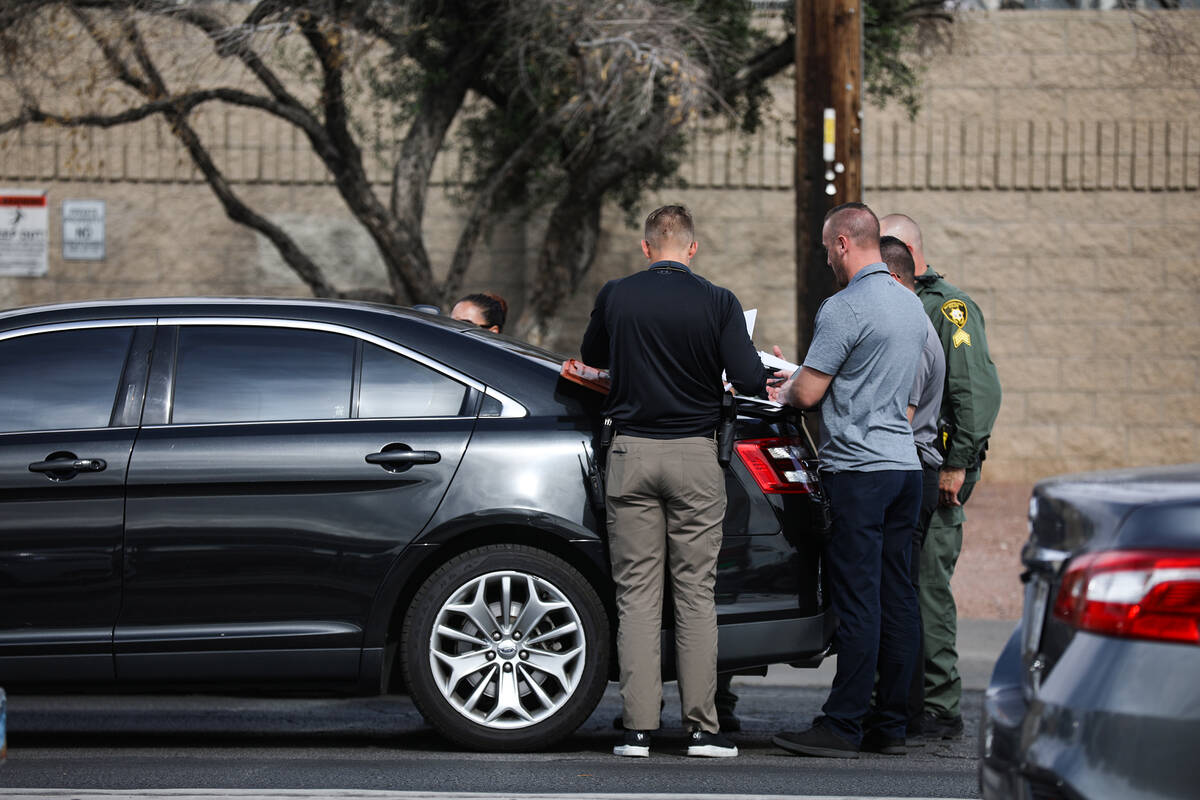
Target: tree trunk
[{"x": 567, "y": 252}]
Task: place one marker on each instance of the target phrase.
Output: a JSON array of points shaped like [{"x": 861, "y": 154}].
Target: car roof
[
  {"x": 1132, "y": 486},
  {"x": 105, "y": 308},
  {"x": 513, "y": 366}
]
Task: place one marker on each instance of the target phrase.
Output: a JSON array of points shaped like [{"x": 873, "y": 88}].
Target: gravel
[{"x": 987, "y": 581}]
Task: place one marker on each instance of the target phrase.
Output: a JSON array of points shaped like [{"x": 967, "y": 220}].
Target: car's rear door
[
  {"x": 281, "y": 468},
  {"x": 69, "y": 405}
]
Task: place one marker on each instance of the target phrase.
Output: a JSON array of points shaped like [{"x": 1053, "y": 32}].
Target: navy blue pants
[{"x": 868, "y": 557}]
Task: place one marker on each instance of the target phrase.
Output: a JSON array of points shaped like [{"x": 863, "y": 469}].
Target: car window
[
  {"x": 258, "y": 374},
  {"x": 395, "y": 386},
  {"x": 62, "y": 379}
]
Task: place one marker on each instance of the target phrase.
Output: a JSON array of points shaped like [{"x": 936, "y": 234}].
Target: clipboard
[{"x": 595, "y": 379}]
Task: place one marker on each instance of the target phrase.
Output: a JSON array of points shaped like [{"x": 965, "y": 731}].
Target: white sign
[
  {"x": 83, "y": 230},
  {"x": 24, "y": 243}
]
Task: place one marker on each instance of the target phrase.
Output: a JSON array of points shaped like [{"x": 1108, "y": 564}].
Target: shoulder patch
[{"x": 956, "y": 311}]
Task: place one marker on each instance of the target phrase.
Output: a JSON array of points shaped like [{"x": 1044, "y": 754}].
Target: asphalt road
[{"x": 253, "y": 743}]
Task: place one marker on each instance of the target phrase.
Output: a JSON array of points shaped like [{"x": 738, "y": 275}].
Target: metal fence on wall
[
  {"x": 949, "y": 155},
  {"x": 1047, "y": 155}
]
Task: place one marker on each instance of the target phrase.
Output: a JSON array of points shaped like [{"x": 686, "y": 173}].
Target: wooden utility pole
[{"x": 828, "y": 76}]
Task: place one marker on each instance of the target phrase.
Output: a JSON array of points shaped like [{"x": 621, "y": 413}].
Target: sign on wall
[
  {"x": 24, "y": 243},
  {"x": 83, "y": 230}
]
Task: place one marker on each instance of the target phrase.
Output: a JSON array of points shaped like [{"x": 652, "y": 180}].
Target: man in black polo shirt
[{"x": 666, "y": 335}]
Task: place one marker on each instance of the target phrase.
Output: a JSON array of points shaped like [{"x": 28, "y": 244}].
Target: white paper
[
  {"x": 777, "y": 363},
  {"x": 751, "y": 316},
  {"x": 758, "y": 401}
]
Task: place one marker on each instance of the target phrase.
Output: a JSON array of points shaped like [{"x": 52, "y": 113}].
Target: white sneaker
[
  {"x": 636, "y": 744},
  {"x": 710, "y": 745}
]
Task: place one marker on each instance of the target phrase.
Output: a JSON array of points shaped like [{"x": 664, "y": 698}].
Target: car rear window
[{"x": 395, "y": 386}]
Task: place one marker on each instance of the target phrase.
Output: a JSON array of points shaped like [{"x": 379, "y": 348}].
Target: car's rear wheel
[{"x": 506, "y": 647}]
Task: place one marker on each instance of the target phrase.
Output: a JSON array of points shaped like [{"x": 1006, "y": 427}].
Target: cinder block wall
[
  {"x": 1076, "y": 234},
  {"x": 1055, "y": 170}
]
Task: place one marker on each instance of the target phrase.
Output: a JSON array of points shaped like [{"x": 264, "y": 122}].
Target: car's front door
[
  {"x": 69, "y": 400},
  {"x": 280, "y": 470}
]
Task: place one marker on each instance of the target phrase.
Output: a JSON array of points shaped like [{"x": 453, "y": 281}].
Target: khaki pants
[{"x": 666, "y": 503}]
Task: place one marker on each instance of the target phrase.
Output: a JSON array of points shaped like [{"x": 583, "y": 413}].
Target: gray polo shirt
[
  {"x": 926, "y": 395},
  {"x": 868, "y": 337}
]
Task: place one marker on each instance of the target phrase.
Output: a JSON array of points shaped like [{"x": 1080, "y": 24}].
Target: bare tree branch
[
  {"x": 176, "y": 110},
  {"x": 235, "y": 43},
  {"x": 182, "y": 104},
  {"x": 120, "y": 69},
  {"x": 764, "y": 64}
]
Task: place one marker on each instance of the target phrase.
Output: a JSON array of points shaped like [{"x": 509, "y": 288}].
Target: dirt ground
[{"x": 987, "y": 582}]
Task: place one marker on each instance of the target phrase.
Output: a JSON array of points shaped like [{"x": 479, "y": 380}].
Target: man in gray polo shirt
[{"x": 860, "y": 370}]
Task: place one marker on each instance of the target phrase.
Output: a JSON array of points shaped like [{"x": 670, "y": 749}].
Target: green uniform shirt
[{"x": 971, "y": 398}]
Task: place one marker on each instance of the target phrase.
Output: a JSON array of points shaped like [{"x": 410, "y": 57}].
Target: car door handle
[
  {"x": 404, "y": 457},
  {"x": 69, "y": 465}
]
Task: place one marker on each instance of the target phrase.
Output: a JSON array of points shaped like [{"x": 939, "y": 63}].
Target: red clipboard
[{"x": 595, "y": 379}]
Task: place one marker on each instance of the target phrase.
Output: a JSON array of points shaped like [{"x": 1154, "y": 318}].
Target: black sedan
[
  {"x": 1097, "y": 694},
  {"x": 210, "y": 494}
]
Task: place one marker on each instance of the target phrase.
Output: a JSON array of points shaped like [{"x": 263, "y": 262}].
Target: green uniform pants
[{"x": 939, "y": 614}]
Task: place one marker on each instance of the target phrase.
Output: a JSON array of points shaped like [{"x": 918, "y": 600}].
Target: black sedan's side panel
[
  {"x": 62, "y": 475},
  {"x": 536, "y": 464},
  {"x": 270, "y": 536},
  {"x": 60, "y": 554}
]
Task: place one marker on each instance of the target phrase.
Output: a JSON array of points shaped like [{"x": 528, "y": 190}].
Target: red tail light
[
  {"x": 1136, "y": 594},
  {"x": 779, "y": 465}
]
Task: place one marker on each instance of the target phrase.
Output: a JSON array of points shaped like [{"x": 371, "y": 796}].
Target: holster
[
  {"x": 595, "y": 469},
  {"x": 725, "y": 429}
]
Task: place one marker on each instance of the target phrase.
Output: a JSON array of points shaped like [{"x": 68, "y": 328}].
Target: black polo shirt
[{"x": 666, "y": 334}]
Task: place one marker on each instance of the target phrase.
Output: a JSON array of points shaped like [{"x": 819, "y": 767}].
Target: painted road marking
[{"x": 353, "y": 794}]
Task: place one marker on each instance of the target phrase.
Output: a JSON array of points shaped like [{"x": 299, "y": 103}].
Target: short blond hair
[{"x": 670, "y": 224}]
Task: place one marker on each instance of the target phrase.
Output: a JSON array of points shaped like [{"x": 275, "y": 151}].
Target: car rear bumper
[
  {"x": 777, "y": 641},
  {"x": 760, "y": 643},
  {"x": 1113, "y": 718}
]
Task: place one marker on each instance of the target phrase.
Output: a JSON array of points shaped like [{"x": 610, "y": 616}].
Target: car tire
[{"x": 506, "y": 683}]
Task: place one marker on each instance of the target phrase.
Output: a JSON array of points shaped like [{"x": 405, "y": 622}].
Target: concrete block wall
[{"x": 1087, "y": 276}]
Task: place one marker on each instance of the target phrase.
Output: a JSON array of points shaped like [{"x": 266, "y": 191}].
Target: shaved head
[
  {"x": 850, "y": 236},
  {"x": 908, "y": 231},
  {"x": 856, "y": 222},
  {"x": 903, "y": 228}
]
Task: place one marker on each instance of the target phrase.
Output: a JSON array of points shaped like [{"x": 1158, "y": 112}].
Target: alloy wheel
[{"x": 507, "y": 649}]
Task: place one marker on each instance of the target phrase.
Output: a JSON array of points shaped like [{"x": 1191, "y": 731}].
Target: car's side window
[
  {"x": 61, "y": 380},
  {"x": 395, "y": 386},
  {"x": 258, "y": 374}
]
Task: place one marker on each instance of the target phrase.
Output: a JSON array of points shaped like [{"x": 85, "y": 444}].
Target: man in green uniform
[{"x": 970, "y": 403}]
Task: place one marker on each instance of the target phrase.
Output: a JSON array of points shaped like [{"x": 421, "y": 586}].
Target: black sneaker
[
  {"x": 816, "y": 741},
  {"x": 935, "y": 726},
  {"x": 636, "y": 744},
  {"x": 913, "y": 731},
  {"x": 876, "y": 742},
  {"x": 710, "y": 745}
]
